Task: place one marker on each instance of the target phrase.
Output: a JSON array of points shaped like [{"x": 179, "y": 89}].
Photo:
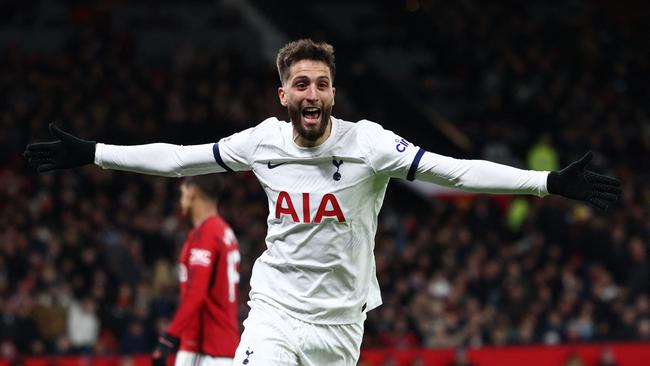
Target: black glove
[
  {"x": 578, "y": 183},
  {"x": 65, "y": 153},
  {"x": 167, "y": 344}
]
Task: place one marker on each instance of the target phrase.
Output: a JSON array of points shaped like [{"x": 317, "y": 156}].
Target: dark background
[{"x": 95, "y": 250}]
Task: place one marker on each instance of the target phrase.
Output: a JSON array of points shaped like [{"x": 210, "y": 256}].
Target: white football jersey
[
  {"x": 323, "y": 206},
  {"x": 323, "y": 203}
]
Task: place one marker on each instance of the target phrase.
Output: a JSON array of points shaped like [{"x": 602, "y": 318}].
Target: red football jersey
[{"x": 206, "y": 319}]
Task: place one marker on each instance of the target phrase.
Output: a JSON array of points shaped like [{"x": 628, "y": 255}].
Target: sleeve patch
[
  {"x": 200, "y": 257},
  {"x": 402, "y": 144}
]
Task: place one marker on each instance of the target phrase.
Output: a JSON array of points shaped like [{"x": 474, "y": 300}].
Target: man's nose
[{"x": 312, "y": 92}]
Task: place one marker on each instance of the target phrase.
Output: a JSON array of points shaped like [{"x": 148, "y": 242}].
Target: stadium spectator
[
  {"x": 607, "y": 358},
  {"x": 461, "y": 358},
  {"x": 83, "y": 325},
  {"x": 134, "y": 340},
  {"x": 574, "y": 359}
]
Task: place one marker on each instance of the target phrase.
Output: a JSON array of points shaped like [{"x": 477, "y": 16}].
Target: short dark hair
[
  {"x": 209, "y": 185},
  {"x": 304, "y": 49}
]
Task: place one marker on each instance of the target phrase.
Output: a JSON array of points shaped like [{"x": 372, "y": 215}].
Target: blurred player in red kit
[{"x": 204, "y": 329}]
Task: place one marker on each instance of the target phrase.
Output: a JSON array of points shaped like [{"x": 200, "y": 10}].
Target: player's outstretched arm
[
  {"x": 578, "y": 183},
  {"x": 156, "y": 159},
  {"x": 65, "y": 153},
  {"x": 574, "y": 181}
]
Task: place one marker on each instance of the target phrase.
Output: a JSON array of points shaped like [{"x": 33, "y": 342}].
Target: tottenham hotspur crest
[
  {"x": 248, "y": 355},
  {"x": 337, "y": 164}
]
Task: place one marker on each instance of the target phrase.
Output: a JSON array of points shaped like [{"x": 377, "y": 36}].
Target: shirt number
[{"x": 233, "y": 259}]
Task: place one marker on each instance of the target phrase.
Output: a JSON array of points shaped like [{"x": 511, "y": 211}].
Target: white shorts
[
  {"x": 185, "y": 358},
  {"x": 273, "y": 338}
]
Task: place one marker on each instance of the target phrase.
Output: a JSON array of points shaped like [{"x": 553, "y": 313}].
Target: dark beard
[{"x": 311, "y": 135}]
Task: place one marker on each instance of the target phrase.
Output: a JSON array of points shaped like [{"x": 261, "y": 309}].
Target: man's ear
[
  {"x": 334, "y": 94},
  {"x": 283, "y": 96},
  {"x": 192, "y": 192}
]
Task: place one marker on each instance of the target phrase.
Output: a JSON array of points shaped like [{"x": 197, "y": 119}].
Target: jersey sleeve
[
  {"x": 232, "y": 153},
  {"x": 388, "y": 153},
  {"x": 237, "y": 152},
  {"x": 479, "y": 176},
  {"x": 167, "y": 160},
  {"x": 392, "y": 155},
  {"x": 204, "y": 252}
]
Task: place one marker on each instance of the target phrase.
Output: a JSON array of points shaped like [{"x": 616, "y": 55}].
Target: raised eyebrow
[
  {"x": 300, "y": 78},
  {"x": 306, "y": 78}
]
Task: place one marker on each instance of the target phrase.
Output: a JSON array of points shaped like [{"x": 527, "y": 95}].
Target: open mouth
[{"x": 311, "y": 114}]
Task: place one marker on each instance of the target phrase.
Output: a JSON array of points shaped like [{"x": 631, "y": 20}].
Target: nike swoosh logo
[{"x": 272, "y": 166}]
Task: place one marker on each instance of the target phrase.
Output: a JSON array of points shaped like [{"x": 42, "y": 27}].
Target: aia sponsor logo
[{"x": 327, "y": 207}]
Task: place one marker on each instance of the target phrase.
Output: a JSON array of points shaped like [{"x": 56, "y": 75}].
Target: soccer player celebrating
[
  {"x": 325, "y": 179},
  {"x": 205, "y": 326}
]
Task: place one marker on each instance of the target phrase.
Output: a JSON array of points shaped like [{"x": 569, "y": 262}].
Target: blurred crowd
[
  {"x": 537, "y": 85},
  {"x": 87, "y": 257}
]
